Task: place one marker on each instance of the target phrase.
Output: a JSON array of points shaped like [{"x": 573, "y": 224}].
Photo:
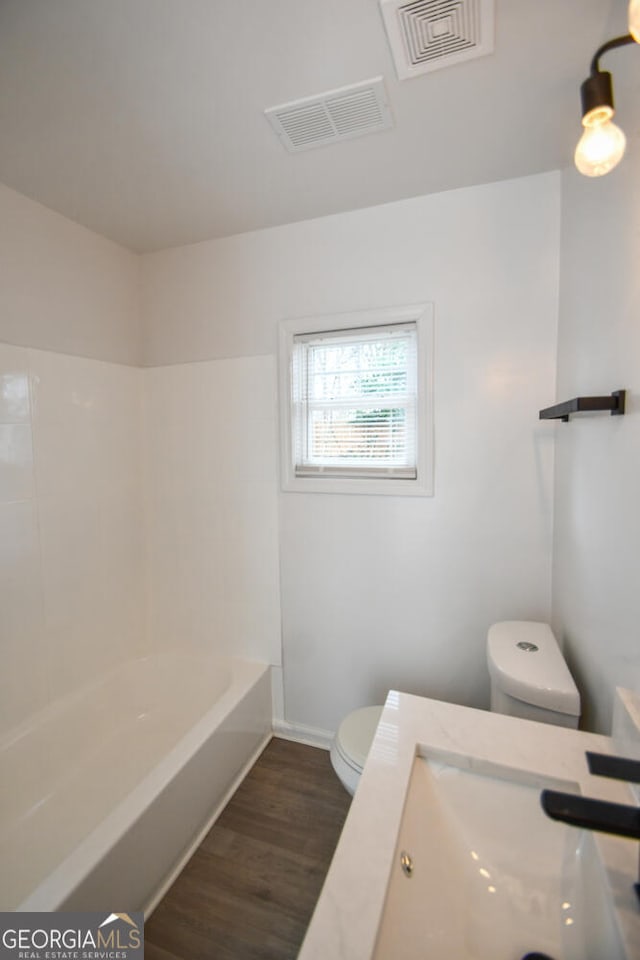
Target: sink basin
[
  {"x": 480, "y": 872},
  {"x": 458, "y": 790}
]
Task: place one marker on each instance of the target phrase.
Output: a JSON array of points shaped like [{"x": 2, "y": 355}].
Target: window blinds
[{"x": 354, "y": 402}]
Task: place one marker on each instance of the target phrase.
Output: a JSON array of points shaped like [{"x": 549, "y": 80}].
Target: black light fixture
[{"x": 602, "y": 144}]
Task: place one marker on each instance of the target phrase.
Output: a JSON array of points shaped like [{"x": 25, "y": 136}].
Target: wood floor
[{"x": 249, "y": 890}]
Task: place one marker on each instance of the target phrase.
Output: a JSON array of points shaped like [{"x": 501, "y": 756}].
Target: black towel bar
[{"x": 560, "y": 411}]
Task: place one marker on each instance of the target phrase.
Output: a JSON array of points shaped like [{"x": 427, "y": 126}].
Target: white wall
[
  {"x": 596, "y": 596},
  {"x": 380, "y": 592},
  {"x": 64, "y": 288},
  {"x": 375, "y": 592}
]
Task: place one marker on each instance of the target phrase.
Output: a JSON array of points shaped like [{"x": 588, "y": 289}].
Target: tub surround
[
  {"x": 134, "y": 516},
  {"x": 211, "y": 502},
  {"x": 86, "y": 494},
  {"x": 347, "y": 916},
  {"x": 72, "y": 578}
]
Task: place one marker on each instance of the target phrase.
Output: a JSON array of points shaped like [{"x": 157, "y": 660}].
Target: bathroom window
[{"x": 356, "y": 402}]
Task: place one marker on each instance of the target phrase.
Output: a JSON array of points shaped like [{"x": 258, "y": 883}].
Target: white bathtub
[{"x": 104, "y": 795}]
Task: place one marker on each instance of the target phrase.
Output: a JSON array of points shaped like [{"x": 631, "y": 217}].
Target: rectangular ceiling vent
[
  {"x": 427, "y": 35},
  {"x": 329, "y": 117}
]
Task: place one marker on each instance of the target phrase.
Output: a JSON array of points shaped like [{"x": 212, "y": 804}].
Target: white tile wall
[
  {"x": 23, "y": 681},
  {"x": 23, "y": 678},
  {"x": 83, "y": 527},
  {"x": 212, "y": 495},
  {"x": 87, "y": 464},
  {"x": 16, "y": 462},
  {"x": 71, "y": 529}
]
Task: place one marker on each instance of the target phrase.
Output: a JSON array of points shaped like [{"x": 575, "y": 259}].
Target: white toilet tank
[{"x": 529, "y": 676}]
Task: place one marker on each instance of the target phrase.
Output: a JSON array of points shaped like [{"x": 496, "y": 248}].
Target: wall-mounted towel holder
[{"x": 560, "y": 411}]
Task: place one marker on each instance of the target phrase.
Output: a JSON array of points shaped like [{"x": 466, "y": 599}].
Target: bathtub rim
[
  {"x": 54, "y": 709},
  {"x": 60, "y": 883}
]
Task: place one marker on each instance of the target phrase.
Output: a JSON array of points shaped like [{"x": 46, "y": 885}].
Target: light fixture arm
[
  {"x": 609, "y": 45},
  {"x": 596, "y": 93},
  {"x": 602, "y": 144}
]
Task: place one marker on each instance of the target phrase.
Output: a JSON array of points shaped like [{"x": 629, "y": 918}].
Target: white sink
[
  {"x": 493, "y": 877},
  {"x": 488, "y": 876}
]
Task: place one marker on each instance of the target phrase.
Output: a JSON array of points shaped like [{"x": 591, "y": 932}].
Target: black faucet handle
[
  {"x": 619, "y": 768},
  {"x": 591, "y": 814}
]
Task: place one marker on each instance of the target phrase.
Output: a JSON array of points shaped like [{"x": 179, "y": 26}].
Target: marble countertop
[{"x": 345, "y": 923}]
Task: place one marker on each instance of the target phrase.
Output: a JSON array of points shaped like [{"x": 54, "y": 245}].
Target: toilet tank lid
[{"x": 537, "y": 676}]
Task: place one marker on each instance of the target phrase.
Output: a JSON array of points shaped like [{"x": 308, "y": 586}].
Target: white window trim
[{"x": 422, "y": 486}]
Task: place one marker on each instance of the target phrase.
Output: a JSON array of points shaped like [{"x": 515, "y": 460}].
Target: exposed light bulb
[
  {"x": 634, "y": 19},
  {"x": 600, "y": 148}
]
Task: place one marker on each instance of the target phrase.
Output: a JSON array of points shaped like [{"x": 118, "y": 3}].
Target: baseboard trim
[{"x": 312, "y": 736}]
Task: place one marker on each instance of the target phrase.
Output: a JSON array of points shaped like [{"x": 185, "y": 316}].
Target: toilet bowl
[
  {"x": 529, "y": 679},
  {"x": 352, "y": 743}
]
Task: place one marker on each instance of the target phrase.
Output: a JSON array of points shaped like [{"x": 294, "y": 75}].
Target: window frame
[{"x": 423, "y": 485}]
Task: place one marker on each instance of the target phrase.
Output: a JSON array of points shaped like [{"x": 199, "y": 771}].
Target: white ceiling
[{"x": 144, "y": 119}]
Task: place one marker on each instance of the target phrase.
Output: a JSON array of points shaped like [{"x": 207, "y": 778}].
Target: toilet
[
  {"x": 352, "y": 743},
  {"x": 529, "y": 675},
  {"x": 529, "y": 679}
]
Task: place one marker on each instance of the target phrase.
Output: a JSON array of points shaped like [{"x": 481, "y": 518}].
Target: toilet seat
[{"x": 352, "y": 743}]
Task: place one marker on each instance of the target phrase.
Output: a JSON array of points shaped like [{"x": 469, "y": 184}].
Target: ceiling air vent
[
  {"x": 427, "y": 35},
  {"x": 329, "y": 117}
]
